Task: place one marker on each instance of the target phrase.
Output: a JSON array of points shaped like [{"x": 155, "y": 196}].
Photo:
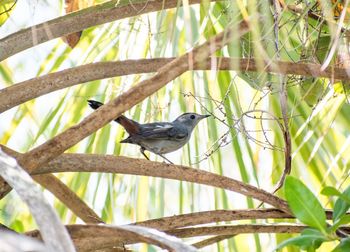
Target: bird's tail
[{"x": 129, "y": 125}]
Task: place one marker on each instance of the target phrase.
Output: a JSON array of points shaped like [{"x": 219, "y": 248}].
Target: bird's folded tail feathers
[{"x": 129, "y": 125}]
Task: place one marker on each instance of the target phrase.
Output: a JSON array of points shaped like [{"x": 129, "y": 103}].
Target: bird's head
[{"x": 190, "y": 120}]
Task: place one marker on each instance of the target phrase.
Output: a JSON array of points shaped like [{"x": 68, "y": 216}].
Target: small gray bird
[{"x": 158, "y": 137}]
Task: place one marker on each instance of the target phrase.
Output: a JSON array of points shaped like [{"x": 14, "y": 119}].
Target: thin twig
[{"x": 211, "y": 241}]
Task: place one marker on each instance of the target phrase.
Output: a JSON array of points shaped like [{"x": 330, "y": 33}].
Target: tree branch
[
  {"x": 33, "y": 88},
  {"x": 80, "y": 20},
  {"x": 125, "y": 165},
  {"x": 236, "y": 229},
  {"x": 95, "y": 237},
  {"x": 199, "y": 218},
  {"x": 212, "y": 240}
]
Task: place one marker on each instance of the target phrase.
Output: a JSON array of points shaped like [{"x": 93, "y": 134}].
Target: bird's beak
[{"x": 204, "y": 116}]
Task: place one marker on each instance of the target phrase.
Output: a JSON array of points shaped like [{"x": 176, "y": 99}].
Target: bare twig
[
  {"x": 283, "y": 95},
  {"x": 211, "y": 241}
]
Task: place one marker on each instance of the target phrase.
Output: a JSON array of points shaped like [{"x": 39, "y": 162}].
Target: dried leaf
[{"x": 73, "y": 38}]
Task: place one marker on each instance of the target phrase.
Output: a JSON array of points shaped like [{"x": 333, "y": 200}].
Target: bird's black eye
[{"x": 192, "y": 117}]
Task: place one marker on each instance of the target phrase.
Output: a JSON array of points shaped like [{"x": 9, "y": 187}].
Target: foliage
[
  {"x": 245, "y": 138},
  {"x": 306, "y": 207}
]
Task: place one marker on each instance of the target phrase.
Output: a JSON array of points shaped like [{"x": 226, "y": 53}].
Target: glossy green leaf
[
  {"x": 6, "y": 7},
  {"x": 343, "y": 246},
  {"x": 323, "y": 43},
  {"x": 342, "y": 221},
  {"x": 304, "y": 241},
  {"x": 304, "y": 205},
  {"x": 341, "y": 206},
  {"x": 311, "y": 90},
  {"x": 330, "y": 191}
]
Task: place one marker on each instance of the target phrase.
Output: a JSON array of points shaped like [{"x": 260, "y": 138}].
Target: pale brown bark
[
  {"x": 33, "y": 88},
  {"x": 125, "y": 165},
  {"x": 80, "y": 20},
  {"x": 92, "y": 237}
]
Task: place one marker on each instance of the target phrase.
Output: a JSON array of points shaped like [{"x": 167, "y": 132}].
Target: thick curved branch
[
  {"x": 93, "y": 237},
  {"x": 80, "y": 20},
  {"x": 33, "y": 88},
  {"x": 125, "y": 165},
  {"x": 96, "y": 237}
]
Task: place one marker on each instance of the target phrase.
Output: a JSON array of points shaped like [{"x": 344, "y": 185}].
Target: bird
[{"x": 158, "y": 137}]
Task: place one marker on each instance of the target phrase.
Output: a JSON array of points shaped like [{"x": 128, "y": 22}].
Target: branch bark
[
  {"x": 125, "y": 165},
  {"x": 80, "y": 20},
  {"x": 206, "y": 217},
  {"x": 93, "y": 237},
  {"x": 212, "y": 240},
  {"x": 236, "y": 229},
  {"x": 33, "y": 88}
]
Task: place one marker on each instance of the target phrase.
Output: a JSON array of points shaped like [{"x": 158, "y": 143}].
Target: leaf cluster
[{"x": 308, "y": 210}]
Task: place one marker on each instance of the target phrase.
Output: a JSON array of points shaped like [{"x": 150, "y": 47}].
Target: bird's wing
[{"x": 163, "y": 131}]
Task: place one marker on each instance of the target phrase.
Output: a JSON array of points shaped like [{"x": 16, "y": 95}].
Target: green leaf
[
  {"x": 343, "y": 246},
  {"x": 312, "y": 90},
  {"x": 342, "y": 221},
  {"x": 6, "y": 7},
  {"x": 330, "y": 191},
  {"x": 304, "y": 241},
  {"x": 317, "y": 241},
  {"x": 304, "y": 204},
  {"x": 341, "y": 206},
  {"x": 323, "y": 44}
]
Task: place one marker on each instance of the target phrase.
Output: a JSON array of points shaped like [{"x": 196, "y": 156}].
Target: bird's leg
[
  {"x": 165, "y": 158},
  {"x": 143, "y": 152}
]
